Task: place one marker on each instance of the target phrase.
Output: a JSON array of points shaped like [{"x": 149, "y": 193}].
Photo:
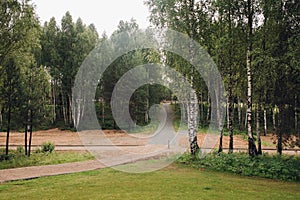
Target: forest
[{"x": 254, "y": 44}]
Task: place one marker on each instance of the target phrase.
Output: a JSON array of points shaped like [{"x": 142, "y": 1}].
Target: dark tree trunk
[
  {"x": 30, "y": 140},
  {"x": 30, "y": 133},
  {"x": 8, "y": 127},
  {"x": 274, "y": 118},
  {"x": 296, "y": 118},
  {"x": 231, "y": 116},
  {"x": 279, "y": 142},
  {"x": 1, "y": 118},
  {"x": 280, "y": 129},
  {"x": 259, "y": 151},
  {"x": 25, "y": 139},
  {"x": 221, "y": 142},
  {"x": 194, "y": 146}
]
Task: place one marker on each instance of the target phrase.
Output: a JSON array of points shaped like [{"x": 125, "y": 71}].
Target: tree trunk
[
  {"x": 251, "y": 143},
  {"x": 296, "y": 117},
  {"x": 230, "y": 111},
  {"x": 103, "y": 110},
  {"x": 231, "y": 115},
  {"x": 53, "y": 102},
  {"x": 230, "y": 87},
  {"x": 193, "y": 102},
  {"x": 221, "y": 142},
  {"x": 64, "y": 109},
  {"x": 239, "y": 112},
  {"x": 274, "y": 118},
  {"x": 245, "y": 122},
  {"x": 201, "y": 107},
  {"x": 70, "y": 113},
  {"x": 259, "y": 151},
  {"x": 265, "y": 122},
  {"x": 192, "y": 124},
  {"x": 208, "y": 108},
  {"x": 147, "y": 107},
  {"x": 26, "y": 132},
  {"x": 1, "y": 119},
  {"x": 227, "y": 113},
  {"x": 8, "y": 126},
  {"x": 30, "y": 133},
  {"x": 279, "y": 131},
  {"x": 25, "y": 140}
]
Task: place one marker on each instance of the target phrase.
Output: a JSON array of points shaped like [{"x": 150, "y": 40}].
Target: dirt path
[{"x": 49, "y": 170}]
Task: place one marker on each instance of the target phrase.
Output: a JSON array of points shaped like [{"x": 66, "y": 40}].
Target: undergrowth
[{"x": 283, "y": 167}]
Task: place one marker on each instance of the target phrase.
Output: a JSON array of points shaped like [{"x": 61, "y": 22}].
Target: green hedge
[{"x": 283, "y": 167}]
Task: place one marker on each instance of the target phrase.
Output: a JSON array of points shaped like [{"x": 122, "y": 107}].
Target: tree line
[
  {"x": 39, "y": 64},
  {"x": 254, "y": 43}
]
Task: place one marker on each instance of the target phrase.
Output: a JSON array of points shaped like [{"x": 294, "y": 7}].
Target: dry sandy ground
[{"x": 59, "y": 137}]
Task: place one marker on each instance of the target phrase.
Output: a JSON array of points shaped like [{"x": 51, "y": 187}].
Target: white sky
[{"x": 105, "y": 14}]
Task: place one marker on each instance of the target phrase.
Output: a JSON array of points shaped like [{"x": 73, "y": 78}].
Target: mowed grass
[
  {"x": 173, "y": 182},
  {"x": 38, "y": 159}
]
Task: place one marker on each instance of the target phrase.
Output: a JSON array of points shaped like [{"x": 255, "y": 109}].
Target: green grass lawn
[
  {"x": 174, "y": 182},
  {"x": 38, "y": 159}
]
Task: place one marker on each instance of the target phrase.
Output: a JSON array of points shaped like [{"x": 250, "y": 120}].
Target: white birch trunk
[
  {"x": 239, "y": 112},
  {"x": 193, "y": 104},
  {"x": 274, "y": 118},
  {"x": 64, "y": 110},
  {"x": 265, "y": 122},
  {"x": 251, "y": 143},
  {"x": 192, "y": 122},
  {"x": 227, "y": 113},
  {"x": 245, "y": 122},
  {"x": 202, "y": 107},
  {"x": 208, "y": 108}
]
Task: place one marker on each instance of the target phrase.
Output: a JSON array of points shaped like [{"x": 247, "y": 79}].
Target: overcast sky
[{"x": 105, "y": 14}]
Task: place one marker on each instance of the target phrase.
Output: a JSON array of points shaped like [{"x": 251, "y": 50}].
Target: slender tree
[{"x": 250, "y": 13}]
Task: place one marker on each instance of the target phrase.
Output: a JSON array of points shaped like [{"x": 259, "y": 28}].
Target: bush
[
  {"x": 267, "y": 166},
  {"x": 48, "y": 147},
  {"x": 38, "y": 150},
  {"x": 20, "y": 150}
]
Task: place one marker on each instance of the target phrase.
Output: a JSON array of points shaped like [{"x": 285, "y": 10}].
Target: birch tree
[{"x": 184, "y": 16}]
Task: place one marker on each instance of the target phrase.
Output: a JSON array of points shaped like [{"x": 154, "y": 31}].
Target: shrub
[
  {"x": 20, "y": 150},
  {"x": 268, "y": 166},
  {"x": 48, "y": 147},
  {"x": 38, "y": 150}
]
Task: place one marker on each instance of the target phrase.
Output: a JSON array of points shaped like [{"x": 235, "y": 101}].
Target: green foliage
[
  {"x": 38, "y": 158},
  {"x": 20, "y": 150},
  {"x": 174, "y": 182},
  {"x": 267, "y": 166},
  {"x": 48, "y": 147}
]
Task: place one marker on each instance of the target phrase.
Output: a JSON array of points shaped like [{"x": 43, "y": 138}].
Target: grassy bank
[{"x": 18, "y": 159}]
